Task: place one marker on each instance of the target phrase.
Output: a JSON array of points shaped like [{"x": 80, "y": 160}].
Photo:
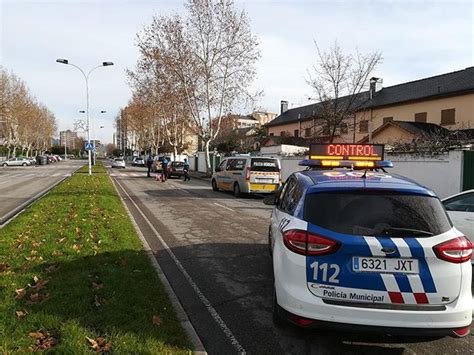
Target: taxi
[{"x": 359, "y": 249}]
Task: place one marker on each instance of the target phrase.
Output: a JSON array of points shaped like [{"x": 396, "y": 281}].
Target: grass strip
[{"x": 74, "y": 277}]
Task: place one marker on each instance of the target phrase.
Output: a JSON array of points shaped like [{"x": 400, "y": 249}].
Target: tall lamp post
[{"x": 86, "y": 77}]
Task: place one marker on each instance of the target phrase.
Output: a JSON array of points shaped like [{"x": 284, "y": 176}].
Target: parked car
[
  {"x": 460, "y": 208},
  {"x": 16, "y": 162},
  {"x": 118, "y": 163},
  {"x": 52, "y": 159},
  {"x": 137, "y": 161},
  {"x": 242, "y": 174},
  {"x": 32, "y": 160},
  {"x": 176, "y": 168}
]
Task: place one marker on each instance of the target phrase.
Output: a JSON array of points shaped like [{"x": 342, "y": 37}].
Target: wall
[
  {"x": 283, "y": 149},
  {"x": 392, "y": 134},
  {"x": 442, "y": 174}
]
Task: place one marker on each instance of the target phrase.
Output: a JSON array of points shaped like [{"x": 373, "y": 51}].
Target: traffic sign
[{"x": 89, "y": 146}]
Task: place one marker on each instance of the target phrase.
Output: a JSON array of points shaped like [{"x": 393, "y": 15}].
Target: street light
[{"x": 86, "y": 77}]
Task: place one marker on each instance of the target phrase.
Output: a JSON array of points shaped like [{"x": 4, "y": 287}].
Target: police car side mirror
[{"x": 270, "y": 200}]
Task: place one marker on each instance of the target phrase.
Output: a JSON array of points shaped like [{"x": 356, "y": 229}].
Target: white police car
[{"x": 355, "y": 247}]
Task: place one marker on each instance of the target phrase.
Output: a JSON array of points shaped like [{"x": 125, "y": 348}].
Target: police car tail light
[
  {"x": 305, "y": 243},
  {"x": 457, "y": 250}
]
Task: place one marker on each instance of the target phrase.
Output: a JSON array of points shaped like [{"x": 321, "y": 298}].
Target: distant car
[
  {"x": 118, "y": 163},
  {"x": 176, "y": 168},
  {"x": 16, "y": 162},
  {"x": 32, "y": 160},
  {"x": 460, "y": 208},
  {"x": 139, "y": 162},
  {"x": 52, "y": 159}
]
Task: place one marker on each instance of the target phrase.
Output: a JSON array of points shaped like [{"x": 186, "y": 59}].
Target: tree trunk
[{"x": 208, "y": 158}]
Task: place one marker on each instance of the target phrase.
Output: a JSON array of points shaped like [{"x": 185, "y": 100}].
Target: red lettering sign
[{"x": 347, "y": 151}]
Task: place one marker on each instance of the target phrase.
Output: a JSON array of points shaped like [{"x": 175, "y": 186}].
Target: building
[
  {"x": 68, "y": 138},
  {"x": 446, "y": 100}
]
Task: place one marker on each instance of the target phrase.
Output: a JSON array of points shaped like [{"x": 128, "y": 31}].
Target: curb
[{"x": 178, "y": 308}]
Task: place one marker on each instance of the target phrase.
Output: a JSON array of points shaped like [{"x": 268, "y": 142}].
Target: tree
[
  {"x": 339, "y": 81},
  {"x": 209, "y": 55},
  {"x": 110, "y": 149}
]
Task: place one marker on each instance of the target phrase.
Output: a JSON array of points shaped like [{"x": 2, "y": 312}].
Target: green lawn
[{"x": 74, "y": 277}]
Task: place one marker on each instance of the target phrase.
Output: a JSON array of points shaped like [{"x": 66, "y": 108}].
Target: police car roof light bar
[{"x": 320, "y": 163}]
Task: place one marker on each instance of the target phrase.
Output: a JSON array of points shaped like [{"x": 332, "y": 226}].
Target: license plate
[
  {"x": 387, "y": 265},
  {"x": 264, "y": 180}
]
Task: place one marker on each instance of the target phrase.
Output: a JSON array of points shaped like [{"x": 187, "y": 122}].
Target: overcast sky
[{"x": 417, "y": 39}]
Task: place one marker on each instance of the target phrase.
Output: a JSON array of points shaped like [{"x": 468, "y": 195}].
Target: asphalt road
[
  {"x": 18, "y": 185},
  {"x": 220, "y": 269}
]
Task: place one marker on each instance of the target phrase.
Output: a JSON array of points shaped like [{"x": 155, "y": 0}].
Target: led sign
[{"x": 343, "y": 151}]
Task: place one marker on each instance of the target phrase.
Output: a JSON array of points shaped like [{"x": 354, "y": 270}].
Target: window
[
  {"x": 448, "y": 116},
  {"x": 387, "y": 119},
  {"x": 271, "y": 134},
  {"x": 363, "y": 126},
  {"x": 264, "y": 164},
  {"x": 376, "y": 213},
  {"x": 420, "y": 117},
  {"x": 307, "y": 132},
  {"x": 282, "y": 133},
  {"x": 297, "y": 133},
  {"x": 343, "y": 127},
  {"x": 222, "y": 165},
  {"x": 463, "y": 203},
  {"x": 291, "y": 195},
  {"x": 236, "y": 164}
]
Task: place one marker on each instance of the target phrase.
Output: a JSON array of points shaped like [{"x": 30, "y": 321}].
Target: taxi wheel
[
  {"x": 214, "y": 185},
  {"x": 237, "y": 192}
]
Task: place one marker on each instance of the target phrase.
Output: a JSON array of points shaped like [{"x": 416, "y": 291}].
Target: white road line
[
  {"x": 227, "y": 208},
  {"x": 217, "y": 318}
]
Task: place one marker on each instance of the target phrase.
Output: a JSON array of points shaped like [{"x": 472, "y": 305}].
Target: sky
[{"x": 417, "y": 39}]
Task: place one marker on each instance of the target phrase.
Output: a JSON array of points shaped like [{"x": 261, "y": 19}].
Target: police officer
[
  {"x": 186, "y": 170},
  {"x": 149, "y": 163}
]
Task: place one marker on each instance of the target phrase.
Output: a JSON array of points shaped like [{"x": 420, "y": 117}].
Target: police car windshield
[{"x": 377, "y": 213}]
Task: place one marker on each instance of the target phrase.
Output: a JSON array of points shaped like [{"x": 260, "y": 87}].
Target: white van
[{"x": 247, "y": 175}]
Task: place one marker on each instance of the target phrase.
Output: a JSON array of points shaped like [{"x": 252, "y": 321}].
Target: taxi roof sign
[{"x": 346, "y": 151}]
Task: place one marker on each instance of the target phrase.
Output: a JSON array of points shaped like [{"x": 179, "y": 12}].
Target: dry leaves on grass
[
  {"x": 156, "y": 320},
  {"x": 97, "y": 285},
  {"x": 21, "y": 314},
  {"x": 38, "y": 298},
  {"x": 99, "y": 345},
  {"x": 99, "y": 301},
  {"x": 52, "y": 268},
  {"x": 20, "y": 293},
  {"x": 62, "y": 240},
  {"x": 4, "y": 267},
  {"x": 43, "y": 341}
]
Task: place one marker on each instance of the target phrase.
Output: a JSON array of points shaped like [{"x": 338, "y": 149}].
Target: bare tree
[
  {"x": 210, "y": 53},
  {"x": 339, "y": 81}
]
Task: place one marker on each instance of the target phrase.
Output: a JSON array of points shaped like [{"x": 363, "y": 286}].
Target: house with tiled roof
[{"x": 446, "y": 100}]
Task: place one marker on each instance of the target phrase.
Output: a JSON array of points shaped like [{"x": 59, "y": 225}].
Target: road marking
[
  {"x": 217, "y": 318},
  {"x": 227, "y": 208}
]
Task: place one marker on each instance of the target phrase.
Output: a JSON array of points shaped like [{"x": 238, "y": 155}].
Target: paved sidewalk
[{"x": 200, "y": 176}]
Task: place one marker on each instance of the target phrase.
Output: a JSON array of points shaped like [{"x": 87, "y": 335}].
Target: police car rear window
[
  {"x": 375, "y": 213},
  {"x": 262, "y": 164}
]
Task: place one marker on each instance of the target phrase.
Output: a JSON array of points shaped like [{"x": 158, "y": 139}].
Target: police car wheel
[
  {"x": 237, "y": 190},
  {"x": 276, "y": 317},
  {"x": 270, "y": 251},
  {"x": 214, "y": 185}
]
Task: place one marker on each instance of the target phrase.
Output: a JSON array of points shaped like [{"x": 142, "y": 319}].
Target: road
[
  {"x": 18, "y": 185},
  {"x": 218, "y": 265}
]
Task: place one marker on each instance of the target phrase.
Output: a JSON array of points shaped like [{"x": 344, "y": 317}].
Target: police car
[{"x": 357, "y": 248}]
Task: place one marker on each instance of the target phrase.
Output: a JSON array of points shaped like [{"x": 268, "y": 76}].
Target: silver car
[
  {"x": 16, "y": 162},
  {"x": 118, "y": 163},
  {"x": 244, "y": 174},
  {"x": 460, "y": 208}
]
